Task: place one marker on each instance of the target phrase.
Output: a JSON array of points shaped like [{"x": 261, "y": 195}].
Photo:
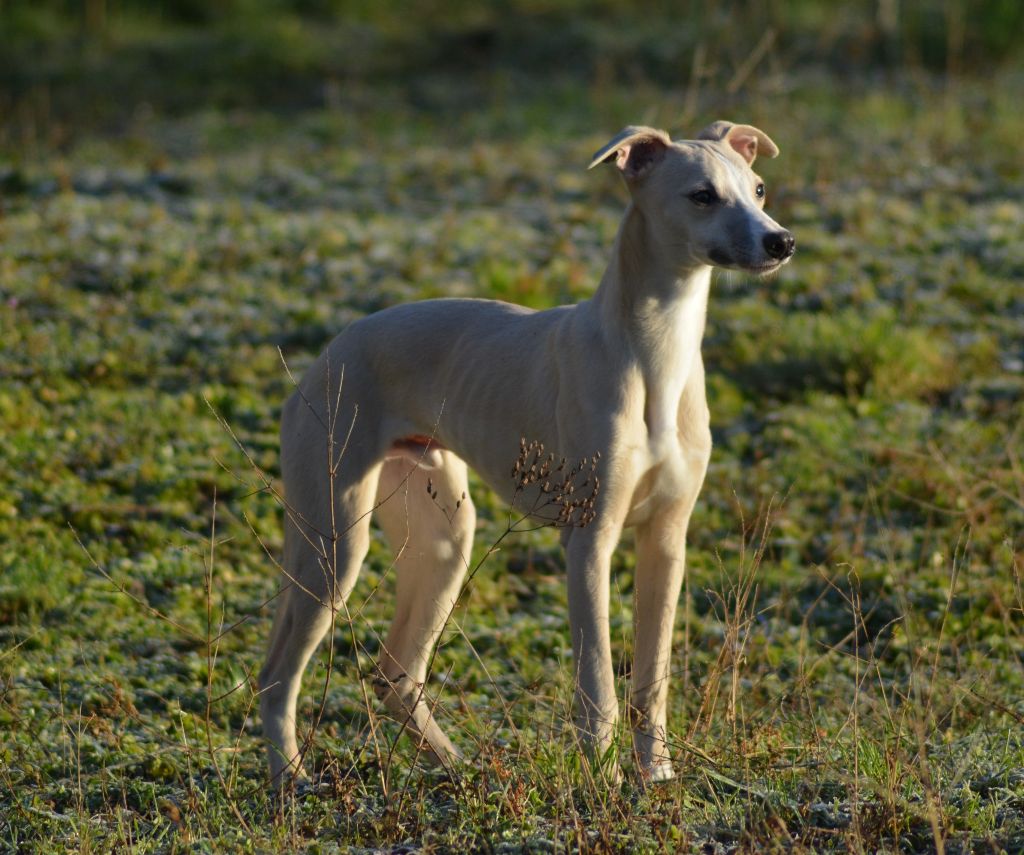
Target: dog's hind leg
[
  {"x": 432, "y": 538},
  {"x": 327, "y": 521}
]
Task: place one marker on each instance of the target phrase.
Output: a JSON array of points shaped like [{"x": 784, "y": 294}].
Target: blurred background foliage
[{"x": 94, "y": 60}]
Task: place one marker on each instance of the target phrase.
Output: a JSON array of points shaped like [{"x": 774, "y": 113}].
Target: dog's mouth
[
  {"x": 764, "y": 268},
  {"x": 720, "y": 258}
]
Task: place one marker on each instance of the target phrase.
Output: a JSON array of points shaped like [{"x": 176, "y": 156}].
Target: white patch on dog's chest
[{"x": 663, "y": 479}]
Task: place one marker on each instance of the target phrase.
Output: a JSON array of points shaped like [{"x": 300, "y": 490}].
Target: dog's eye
[
  {"x": 759, "y": 191},
  {"x": 703, "y": 197}
]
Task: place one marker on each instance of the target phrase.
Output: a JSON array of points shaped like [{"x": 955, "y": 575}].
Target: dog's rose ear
[
  {"x": 635, "y": 150},
  {"x": 746, "y": 139}
]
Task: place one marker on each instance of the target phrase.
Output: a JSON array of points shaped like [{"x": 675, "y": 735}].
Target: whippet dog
[{"x": 389, "y": 416}]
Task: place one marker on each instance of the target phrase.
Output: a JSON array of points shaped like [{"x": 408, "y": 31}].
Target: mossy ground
[{"x": 848, "y": 665}]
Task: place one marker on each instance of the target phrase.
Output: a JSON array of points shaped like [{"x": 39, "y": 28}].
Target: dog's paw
[{"x": 657, "y": 773}]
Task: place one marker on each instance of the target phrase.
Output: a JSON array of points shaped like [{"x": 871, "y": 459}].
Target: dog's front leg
[
  {"x": 660, "y": 564},
  {"x": 661, "y": 555},
  {"x": 588, "y": 559}
]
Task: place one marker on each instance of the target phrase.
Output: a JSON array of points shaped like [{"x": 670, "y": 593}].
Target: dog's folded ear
[
  {"x": 635, "y": 150},
  {"x": 746, "y": 139}
]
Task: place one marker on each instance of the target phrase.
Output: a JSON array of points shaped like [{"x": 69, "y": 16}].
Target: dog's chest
[{"x": 664, "y": 478}]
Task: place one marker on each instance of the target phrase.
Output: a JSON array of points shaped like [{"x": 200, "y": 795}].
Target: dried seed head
[{"x": 554, "y": 497}]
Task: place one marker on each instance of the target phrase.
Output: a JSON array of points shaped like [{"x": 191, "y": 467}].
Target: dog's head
[{"x": 702, "y": 201}]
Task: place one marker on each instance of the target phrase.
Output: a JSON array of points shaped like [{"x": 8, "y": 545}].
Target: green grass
[{"x": 848, "y": 657}]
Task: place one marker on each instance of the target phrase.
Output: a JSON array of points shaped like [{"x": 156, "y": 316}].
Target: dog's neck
[{"x": 659, "y": 309}]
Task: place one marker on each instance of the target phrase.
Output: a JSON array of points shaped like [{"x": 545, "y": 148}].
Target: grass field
[{"x": 849, "y": 665}]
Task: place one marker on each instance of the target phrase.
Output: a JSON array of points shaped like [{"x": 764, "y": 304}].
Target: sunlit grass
[{"x": 847, "y": 661}]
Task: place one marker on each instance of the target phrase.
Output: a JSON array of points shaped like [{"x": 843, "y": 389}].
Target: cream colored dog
[{"x": 419, "y": 391}]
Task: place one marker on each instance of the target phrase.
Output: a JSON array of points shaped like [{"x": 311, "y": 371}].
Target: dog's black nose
[{"x": 779, "y": 245}]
